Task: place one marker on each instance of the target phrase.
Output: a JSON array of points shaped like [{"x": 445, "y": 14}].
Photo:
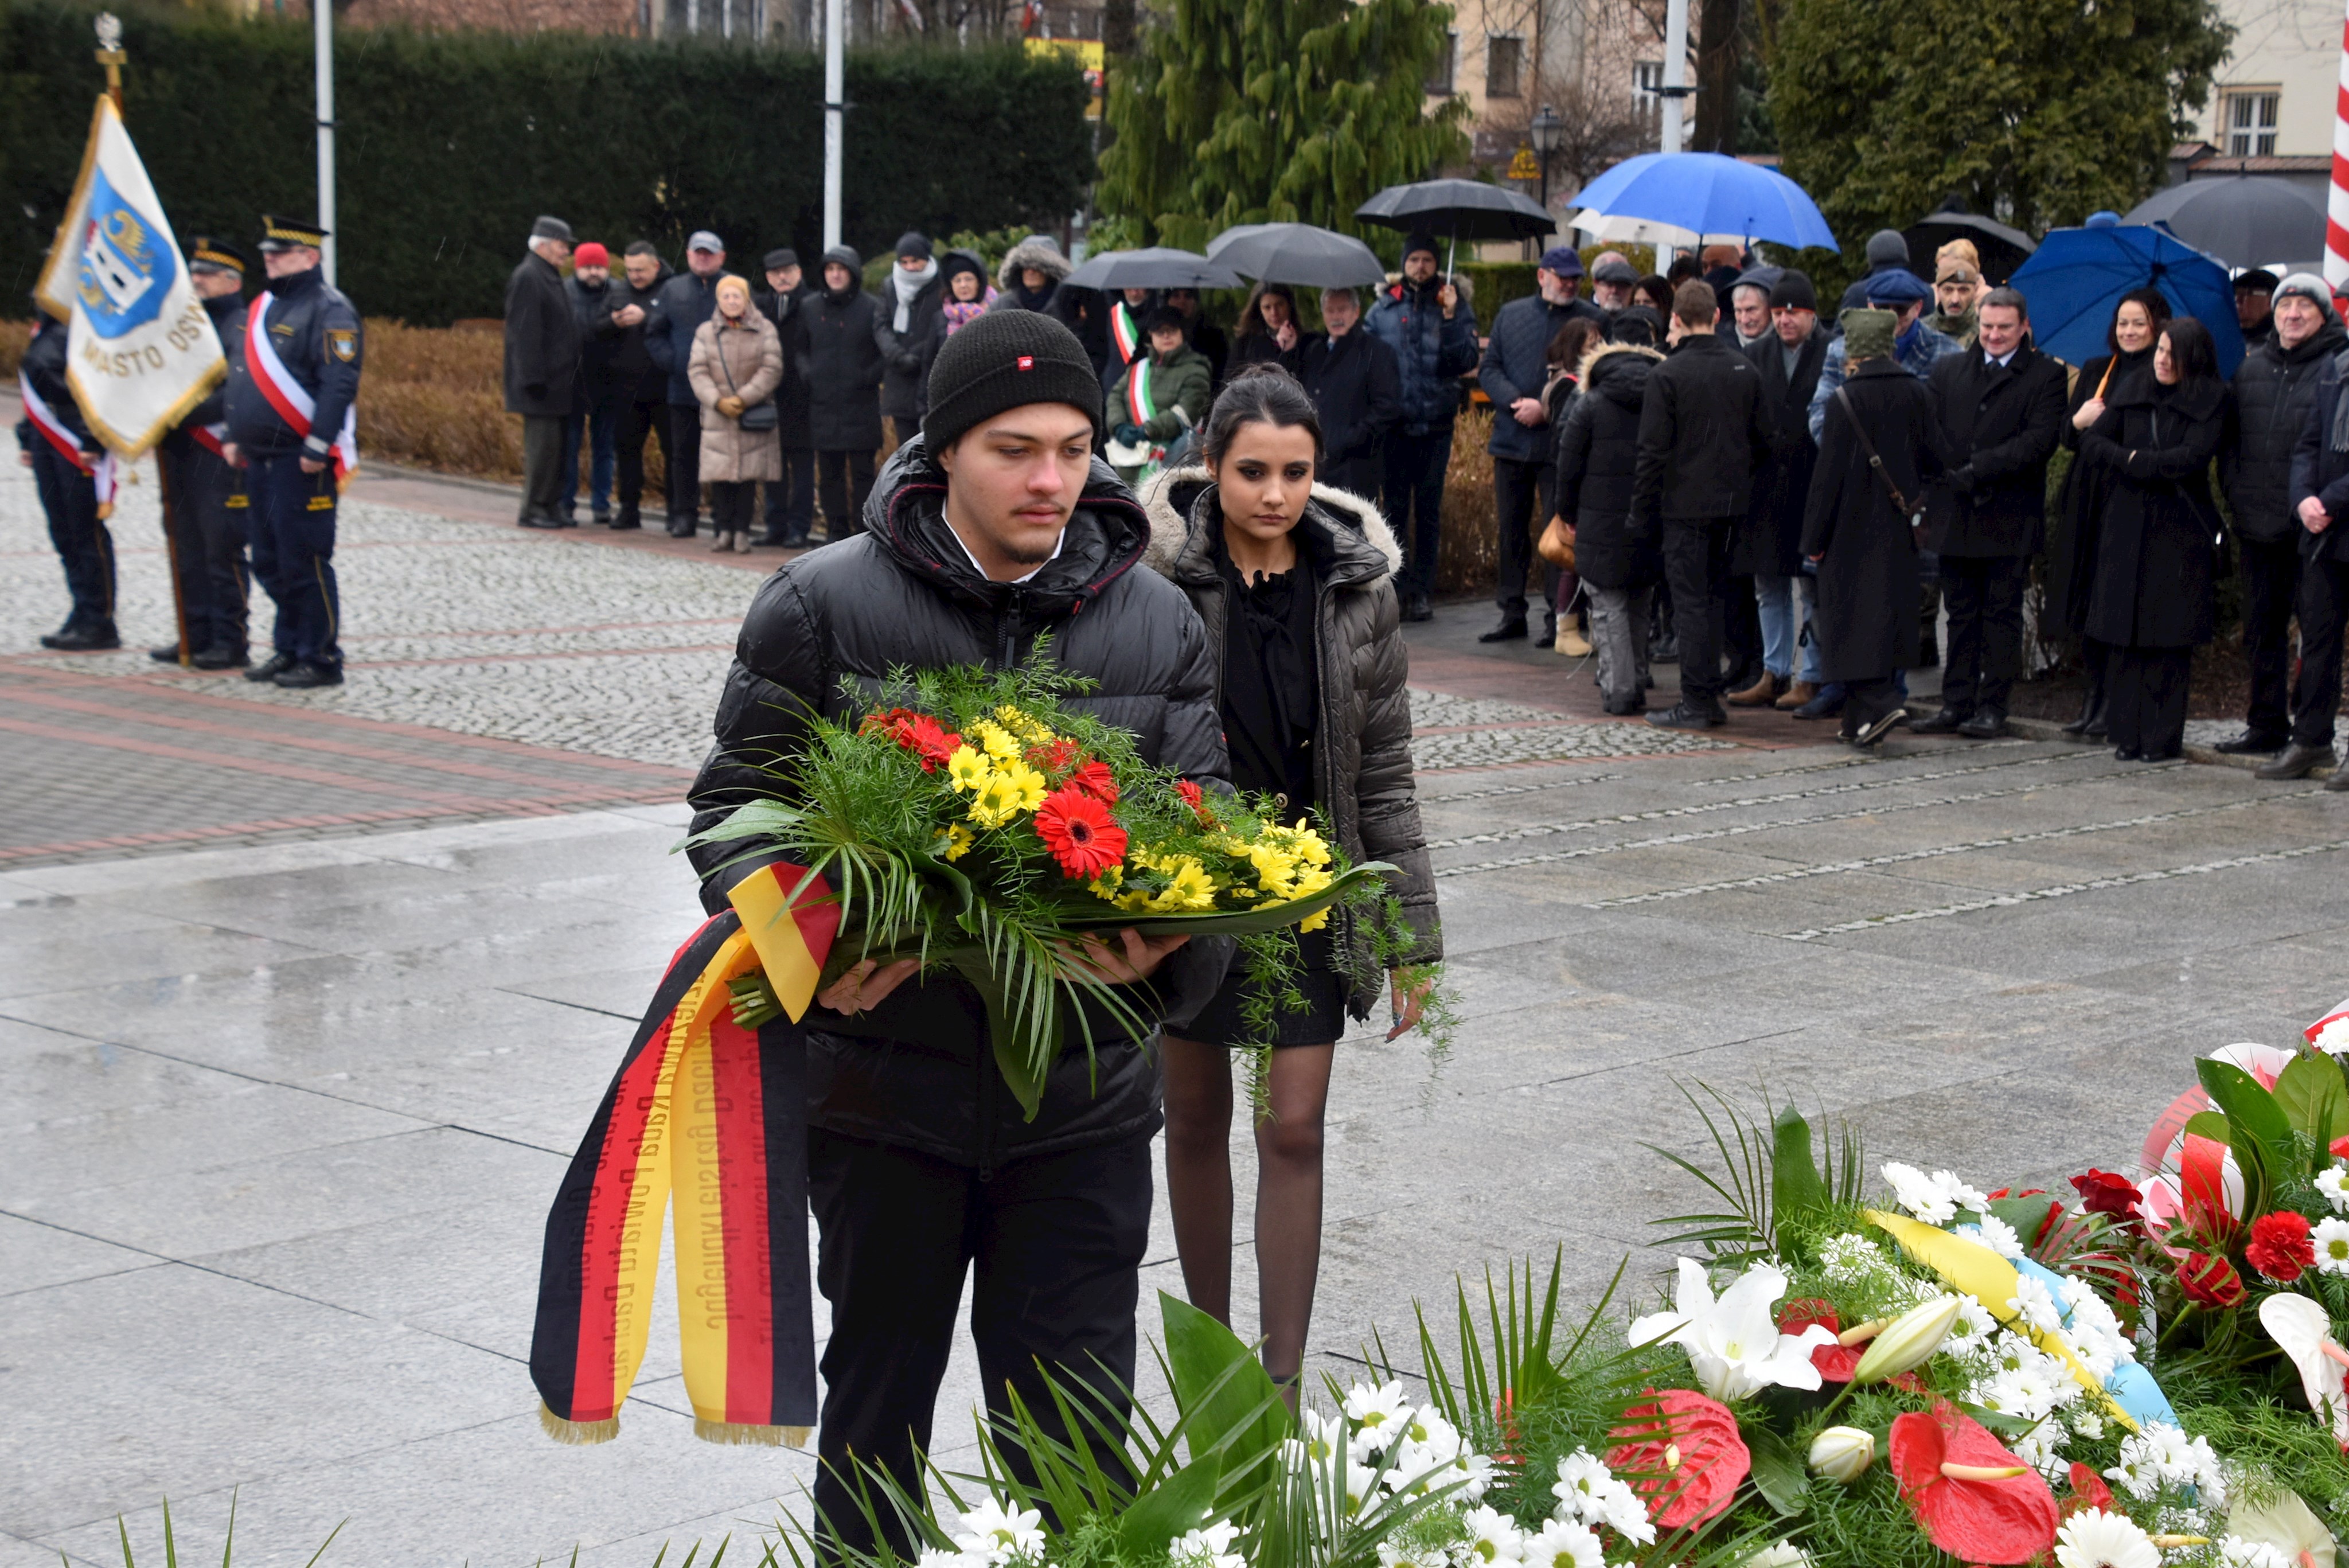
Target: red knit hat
[{"x": 590, "y": 254}]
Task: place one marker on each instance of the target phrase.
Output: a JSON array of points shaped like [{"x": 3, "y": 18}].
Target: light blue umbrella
[
  {"x": 1708, "y": 194},
  {"x": 2075, "y": 279}
]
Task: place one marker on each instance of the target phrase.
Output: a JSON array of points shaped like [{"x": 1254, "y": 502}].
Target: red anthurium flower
[
  {"x": 1835, "y": 1362},
  {"x": 1080, "y": 832},
  {"x": 2280, "y": 1246},
  {"x": 2210, "y": 1282},
  {"x": 2101, "y": 1192},
  {"x": 1684, "y": 1456},
  {"x": 2339, "y": 1147},
  {"x": 2088, "y": 1490},
  {"x": 2205, "y": 1167},
  {"x": 1974, "y": 1499},
  {"x": 1095, "y": 778}
]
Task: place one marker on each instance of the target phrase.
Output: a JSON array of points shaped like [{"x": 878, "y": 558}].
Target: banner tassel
[
  {"x": 580, "y": 1433},
  {"x": 750, "y": 1433}
]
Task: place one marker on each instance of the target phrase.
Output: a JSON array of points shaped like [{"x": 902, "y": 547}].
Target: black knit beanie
[{"x": 1006, "y": 359}]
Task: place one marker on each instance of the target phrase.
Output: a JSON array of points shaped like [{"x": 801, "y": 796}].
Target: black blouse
[{"x": 1271, "y": 681}]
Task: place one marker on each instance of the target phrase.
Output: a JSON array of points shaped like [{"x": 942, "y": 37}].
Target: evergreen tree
[
  {"x": 1239, "y": 111},
  {"x": 2036, "y": 111}
]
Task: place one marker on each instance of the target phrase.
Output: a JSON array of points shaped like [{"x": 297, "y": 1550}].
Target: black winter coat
[
  {"x": 1517, "y": 363},
  {"x": 1362, "y": 737},
  {"x": 1867, "y": 571},
  {"x": 1771, "y": 542},
  {"x": 917, "y": 1071},
  {"x": 683, "y": 304},
  {"x": 849, "y": 343},
  {"x": 1259, "y": 348},
  {"x": 2274, "y": 389},
  {"x": 2080, "y": 503},
  {"x": 906, "y": 381},
  {"x": 2157, "y": 550},
  {"x": 1597, "y": 448},
  {"x": 2318, "y": 467},
  {"x": 542, "y": 341},
  {"x": 789, "y": 313},
  {"x": 632, "y": 361},
  {"x": 599, "y": 385},
  {"x": 2003, "y": 422},
  {"x": 1703, "y": 433},
  {"x": 1357, "y": 388}
]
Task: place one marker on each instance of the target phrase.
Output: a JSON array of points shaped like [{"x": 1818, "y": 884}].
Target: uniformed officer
[
  {"x": 289, "y": 427},
  {"x": 64, "y": 456},
  {"x": 205, "y": 496}
]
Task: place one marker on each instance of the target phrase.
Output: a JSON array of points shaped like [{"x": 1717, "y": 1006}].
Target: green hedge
[{"x": 450, "y": 143}]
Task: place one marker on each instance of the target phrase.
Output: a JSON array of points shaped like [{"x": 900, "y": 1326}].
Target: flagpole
[
  {"x": 835, "y": 95},
  {"x": 323, "y": 13},
  {"x": 2336, "y": 216}
]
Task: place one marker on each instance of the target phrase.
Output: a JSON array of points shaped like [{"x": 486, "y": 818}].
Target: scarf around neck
[{"x": 909, "y": 285}]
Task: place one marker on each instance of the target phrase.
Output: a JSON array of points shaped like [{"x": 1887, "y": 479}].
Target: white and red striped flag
[{"x": 2336, "y": 207}]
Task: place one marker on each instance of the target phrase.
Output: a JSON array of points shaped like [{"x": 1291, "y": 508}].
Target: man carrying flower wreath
[{"x": 996, "y": 529}]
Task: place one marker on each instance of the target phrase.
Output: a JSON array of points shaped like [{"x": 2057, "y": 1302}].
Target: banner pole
[{"x": 322, "y": 12}]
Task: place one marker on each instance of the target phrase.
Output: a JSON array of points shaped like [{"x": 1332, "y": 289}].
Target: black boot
[
  {"x": 627, "y": 517},
  {"x": 2091, "y": 714}
]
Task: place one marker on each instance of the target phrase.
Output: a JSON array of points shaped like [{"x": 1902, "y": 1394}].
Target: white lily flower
[
  {"x": 2304, "y": 1330},
  {"x": 1733, "y": 1342}
]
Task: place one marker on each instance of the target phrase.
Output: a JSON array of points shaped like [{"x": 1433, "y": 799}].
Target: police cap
[
  {"x": 284, "y": 233},
  {"x": 206, "y": 253}
]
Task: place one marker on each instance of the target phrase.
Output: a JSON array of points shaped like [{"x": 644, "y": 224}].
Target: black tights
[{"x": 1287, "y": 1189}]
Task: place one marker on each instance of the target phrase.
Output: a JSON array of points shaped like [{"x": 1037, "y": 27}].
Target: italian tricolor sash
[
  {"x": 1139, "y": 407},
  {"x": 102, "y": 474},
  {"x": 288, "y": 397},
  {"x": 1123, "y": 332},
  {"x": 708, "y": 1118}
]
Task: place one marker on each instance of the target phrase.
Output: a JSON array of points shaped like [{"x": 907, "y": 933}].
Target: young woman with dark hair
[
  {"x": 1296, "y": 584},
  {"x": 1566, "y": 347},
  {"x": 1269, "y": 332},
  {"x": 2154, "y": 598}
]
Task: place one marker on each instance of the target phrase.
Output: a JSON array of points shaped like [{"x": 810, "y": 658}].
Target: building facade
[{"x": 2274, "y": 98}]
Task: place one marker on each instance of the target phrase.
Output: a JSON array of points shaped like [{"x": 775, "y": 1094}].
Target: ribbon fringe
[
  {"x": 579, "y": 1433},
  {"x": 748, "y": 1433}
]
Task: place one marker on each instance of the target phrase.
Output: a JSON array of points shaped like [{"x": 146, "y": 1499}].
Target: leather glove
[
  {"x": 1131, "y": 435},
  {"x": 730, "y": 406}
]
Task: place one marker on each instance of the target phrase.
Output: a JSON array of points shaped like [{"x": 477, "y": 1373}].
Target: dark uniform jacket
[
  {"x": 44, "y": 364},
  {"x": 917, "y": 1071},
  {"x": 1703, "y": 433},
  {"x": 849, "y": 345},
  {"x": 2157, "y": 552},
  {"x": 1867, "y": 571},
  {"x": 683, "y": 304},
  {"x": 2274, "y": 387},
  {"x": 319, "y": 340},
  {"x": 1358, "y": 391},
  {"x": 1771, "y": 542},
  {"x": 1597, "y": 452},
  {"x": 2003, "y": 422},
  {"x": 542, "y": 341},
  {"x": 228, "y": 314},
  {"x": 1431, "y": 353},
  {"x": 906, "y": 383},
  {"x": 1517, "y": 364},
  {"x": 789, "y": 314}
]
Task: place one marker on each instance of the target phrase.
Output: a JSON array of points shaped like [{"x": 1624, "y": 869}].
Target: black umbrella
[
  {"x": 1463, "y": 209},
  {"x": 2239, "y": 219},
  {"x": 1297, "y": 254},
  {"x": 1158, "y": 266},
  {"x": 2002, "y": 249}
]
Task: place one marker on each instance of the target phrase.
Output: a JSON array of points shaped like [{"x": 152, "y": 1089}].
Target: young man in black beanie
[{"x": 993, "y": 529}]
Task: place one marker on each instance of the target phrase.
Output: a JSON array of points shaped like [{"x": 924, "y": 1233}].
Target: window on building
[
  {"x": 1647, "y": 78},
  {"x": 2249, "y": 122},
  {"x": 1504, "y": 64},
  {"x": 1446, "y": 67}
]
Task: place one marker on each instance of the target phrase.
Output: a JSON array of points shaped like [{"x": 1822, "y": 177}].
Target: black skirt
[{"x": 1321, "y": 1022}]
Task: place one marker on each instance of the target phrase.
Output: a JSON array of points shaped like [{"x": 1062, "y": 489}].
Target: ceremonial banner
[{"x": 140, "y": 348}]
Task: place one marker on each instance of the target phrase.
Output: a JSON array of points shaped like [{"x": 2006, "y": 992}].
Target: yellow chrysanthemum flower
[
  {"x": 1274, "y": 868},
  {"x": 998, "y": 741},
  {"x": 1025, "y": 725},
  {"x": 994, "y": 801},
  {"x": 967, "y": 769},
  {"x": 1192, "y": 888},
  {"x": 954, "y": 841},
  {"x": 1314, "y": 921},
  {"x": 1105, "y": 886},
  {"x": 1027, "y": 785}
]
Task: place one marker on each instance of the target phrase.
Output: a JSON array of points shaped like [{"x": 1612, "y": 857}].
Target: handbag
[
  {"x": 758, "y": 418},
  {"x": 1557, "y": 543},
  {"x": 1914, "y": 512}
]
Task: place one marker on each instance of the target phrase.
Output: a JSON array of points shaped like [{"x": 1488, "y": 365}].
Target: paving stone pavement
[{"x": 280, "y": 1121}]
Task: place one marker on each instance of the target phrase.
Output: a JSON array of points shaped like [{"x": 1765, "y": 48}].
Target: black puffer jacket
[
  {"x": 1598, "y": 447},
  {"x": 1363, "y": 735},
  {"x": 917, "y": 1071},
  {"x": 2274, "y": 389}
]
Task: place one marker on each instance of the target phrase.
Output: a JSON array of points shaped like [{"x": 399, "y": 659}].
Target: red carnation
[
  {"x": 1095, "y": 780},
  {"x": 1948, "y": 1468},
  {"x": 2212, "y": 1282},
  {"x": 2280, "y": 1246},
  {"x": 1080, "y": 832},
  {"x": 2101, "y": 1192},
  {"x": 1836, "y": 1362},
  {"x": 1685, "y": 1458}
]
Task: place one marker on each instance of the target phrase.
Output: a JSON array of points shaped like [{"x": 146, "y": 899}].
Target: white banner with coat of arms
[{"x": 140, "y": 348}]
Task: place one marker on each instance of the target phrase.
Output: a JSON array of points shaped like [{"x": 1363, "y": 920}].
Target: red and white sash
[
  {"x": 293, "y": 405},
  {"x": 212, "y": 437},
  {"x": 45, "y": 419}
]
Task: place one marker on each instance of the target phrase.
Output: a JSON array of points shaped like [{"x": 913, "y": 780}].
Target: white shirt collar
[
  {"x": 2001, "y": 359},
  {"x": 1023, "y": 576}
]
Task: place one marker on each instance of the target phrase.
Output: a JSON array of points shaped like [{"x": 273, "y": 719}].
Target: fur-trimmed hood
[
  {"x": 1036, "y": 251},
  {"x": 1621, "y": 386},
  {"x": 1169, "y": 497}
]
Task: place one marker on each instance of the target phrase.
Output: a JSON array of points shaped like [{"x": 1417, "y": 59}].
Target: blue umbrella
[
  {"x": 1711, "y": 194},
  {"x": 2075, "y": 279}
]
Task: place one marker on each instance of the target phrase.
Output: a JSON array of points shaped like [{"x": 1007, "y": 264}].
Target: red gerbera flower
[
  {"x": 2210, "y": 1282},
  {"x": 920, "y": 734},
  {"x": 1080, "y": 832},
  {"x": 1095, "y": 780},
  {"x": 1684, "y": 1456},
  {"x": 1954, "y": 1477},
  {"x": 1194, "y": 797},
  {"x": 2280, "y": 1246},
  {"x": 1053, "y": 758},
  {"x": 2101, "y": 1192},
  {"x": 1836, "y": 1362}
]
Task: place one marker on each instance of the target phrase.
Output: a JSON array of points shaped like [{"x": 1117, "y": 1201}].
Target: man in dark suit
[
  {"x": 2000, "y": 404},
  {"x": 1357, "y": 387},
  {"x": 542, "y": 368}
]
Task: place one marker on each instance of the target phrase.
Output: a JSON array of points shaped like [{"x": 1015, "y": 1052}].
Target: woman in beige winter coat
[{"x": 737, "y": 364}]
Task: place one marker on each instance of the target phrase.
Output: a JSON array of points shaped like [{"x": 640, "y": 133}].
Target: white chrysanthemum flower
[
  {"x": 1626, "y": 1513},
  {"x": 1362, "y": 1485},
  {"x": 1785, "y": 1554},
  {"x": 1996, "y": 1234},
  {"x": 1926, "y": 1197},
  {"x": 2043, "y": 1448},
  {"x": 2332, "y": 1239},
  {"x": 2095, "y": 1538},
  {"x": 939, "y": 1557},
  {"x": 1560, "y": 1544},
  {"x": 1433, "y": 1432},
  {"x": 1478, "y": 1468},
  {"x": 2087, "y": 1423},
  {"x": 1325, "y": 1437},
  {"x": 1393, "y": 1553},
  {"x": 2095, "y": 1334},
  {"x": 2334, "y": 1182},
  {"x": 1583, "y": 1482},
  {"x": 997, "y": 1533},
  {"x": 1493, "y": 1536},
  {"x": 2234, "y": 1552},
  {"x": 1210, "y": 1546},
  {"x": 2036, "y": 1304},
  {"x": 2138, "y": 1473},
  {"x": 1378, "y": 1406}
]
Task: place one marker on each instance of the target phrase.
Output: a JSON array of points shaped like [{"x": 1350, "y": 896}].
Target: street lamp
[{"x": 1545, "y": 129}]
